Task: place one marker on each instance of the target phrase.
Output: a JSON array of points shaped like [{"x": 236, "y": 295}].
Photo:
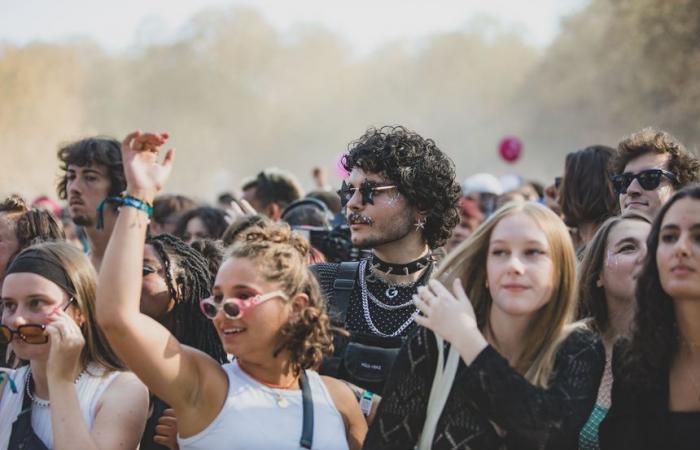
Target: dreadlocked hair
[
  {"x": 191, "y": 274},
  {"x": 281, "y": 257}
]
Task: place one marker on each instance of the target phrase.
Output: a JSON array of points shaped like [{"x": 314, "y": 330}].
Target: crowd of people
[{"x": 404, "y": 311}]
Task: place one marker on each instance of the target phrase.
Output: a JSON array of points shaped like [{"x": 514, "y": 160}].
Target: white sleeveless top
[
  {"x": 89, "y": 387},
  {"x": 252, "y": 418}
]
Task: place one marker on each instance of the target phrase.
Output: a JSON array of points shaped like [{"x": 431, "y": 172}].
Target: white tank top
[
  {"x": 89, "y": 387},
  {"x": 252, "y": 418}
]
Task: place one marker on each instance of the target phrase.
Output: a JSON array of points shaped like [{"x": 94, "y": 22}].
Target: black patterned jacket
[{"x": 490, "y": 392}]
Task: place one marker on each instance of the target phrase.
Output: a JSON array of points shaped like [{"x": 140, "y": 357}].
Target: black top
[
  {"x": 639, "y": 417},
  {"x": 387, "y": 321},
  {"x": 379, "y": 316},
  {"x": 490, "y": 392}
]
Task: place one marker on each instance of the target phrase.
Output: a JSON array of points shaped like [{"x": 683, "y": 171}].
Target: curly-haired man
[
  {"x": 649, "y": 166},
  {"x": 401, "y": 203}
]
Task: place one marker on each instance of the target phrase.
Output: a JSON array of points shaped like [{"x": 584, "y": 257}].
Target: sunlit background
[{"x": 243, "y": 85}]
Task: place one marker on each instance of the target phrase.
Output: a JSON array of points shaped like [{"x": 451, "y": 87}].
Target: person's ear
[
  {"x": 273, "y": 211},
  {"x": 599, "y": 281},
  {"x": 299, "y": 302}
]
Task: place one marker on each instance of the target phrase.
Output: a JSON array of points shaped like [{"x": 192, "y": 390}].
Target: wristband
[
  {"x": 122, "y": 201},
  {"x": 366, "y": 403}
]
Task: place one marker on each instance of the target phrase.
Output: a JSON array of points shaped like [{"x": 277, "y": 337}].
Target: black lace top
[
  {"x": 387, "y": 321},
  {"x": 487, "y": 396}
]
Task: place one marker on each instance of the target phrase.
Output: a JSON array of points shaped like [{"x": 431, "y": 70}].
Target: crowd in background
[{"x": 403, "y": 309}]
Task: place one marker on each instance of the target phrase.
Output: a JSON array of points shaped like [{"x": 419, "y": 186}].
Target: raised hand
[
  {"x": 145, "y": 176},
  {"x": 449, "y": 315},
  {"x": 240, "y": 208}
]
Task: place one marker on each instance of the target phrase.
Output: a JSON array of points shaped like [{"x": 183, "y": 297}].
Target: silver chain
[{"x": 365, "y": 307}]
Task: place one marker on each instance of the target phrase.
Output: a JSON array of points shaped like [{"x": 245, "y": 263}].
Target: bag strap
[
  {"x": 343, "y": 286},
  {"x": 307, "y": 427}
]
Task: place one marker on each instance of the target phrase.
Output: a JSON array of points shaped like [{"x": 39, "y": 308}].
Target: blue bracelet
[{"x": 126, "y": 200}]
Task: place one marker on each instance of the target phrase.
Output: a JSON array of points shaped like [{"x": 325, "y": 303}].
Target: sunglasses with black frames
[{"x": 648, "y": 179}]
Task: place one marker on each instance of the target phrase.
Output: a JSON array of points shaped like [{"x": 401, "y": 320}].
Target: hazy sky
[{"x": 364, "y": 24}]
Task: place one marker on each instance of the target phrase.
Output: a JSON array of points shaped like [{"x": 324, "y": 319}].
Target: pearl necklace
[{"x": 37, "y": 401}]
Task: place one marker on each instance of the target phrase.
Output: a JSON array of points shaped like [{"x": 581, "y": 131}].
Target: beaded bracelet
[{"x": 126, "y": 200}]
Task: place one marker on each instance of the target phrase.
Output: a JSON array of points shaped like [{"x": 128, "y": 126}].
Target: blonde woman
[
  {"x": 518, "y": 374},
  {"x": 72, "y": 394}
]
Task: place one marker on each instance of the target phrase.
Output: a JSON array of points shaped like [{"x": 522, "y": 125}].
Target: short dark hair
[
  {"x": 683, "y": 164},
  {"x": 214, "y": 220},
  {"x": 165, "y": 206},
  {"x": 276, "y": 186},
  {"x": 95, "y": 150},
  {"x": 586, "y": 194},
  {"x": 420, "y": 170}
]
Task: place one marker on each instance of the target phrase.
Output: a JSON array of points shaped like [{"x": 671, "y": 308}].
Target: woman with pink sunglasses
[{"x": 268, "y": 312}]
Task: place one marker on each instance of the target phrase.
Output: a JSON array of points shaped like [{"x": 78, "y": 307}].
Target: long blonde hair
[{"x": 551, "y": 324}]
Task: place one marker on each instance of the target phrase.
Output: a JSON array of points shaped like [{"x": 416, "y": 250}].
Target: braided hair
[{"x": 191, "y": 272}]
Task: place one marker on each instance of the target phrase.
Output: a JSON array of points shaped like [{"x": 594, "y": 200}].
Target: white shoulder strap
[{"x": 440, "y": 390}]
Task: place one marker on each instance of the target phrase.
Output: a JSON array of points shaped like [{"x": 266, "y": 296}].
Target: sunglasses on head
[
  {"x": 368, "y": 190},
  {"x": 30, "y": 333},
  {"x": 235, "y": 308},
  {"x": 648, "y": 179}
]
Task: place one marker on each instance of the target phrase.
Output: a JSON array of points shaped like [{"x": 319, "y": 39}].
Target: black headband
[{"x": 34, "y": 261}]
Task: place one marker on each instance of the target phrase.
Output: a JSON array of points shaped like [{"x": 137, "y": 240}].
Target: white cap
[{"x": 484, "y": 183}]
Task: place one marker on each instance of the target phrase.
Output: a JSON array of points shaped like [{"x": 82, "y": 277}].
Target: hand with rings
[
  {"x": 449, "y": 315},
  {"x": 145, "y": 176},
  {"x": 66, "y": 342}
]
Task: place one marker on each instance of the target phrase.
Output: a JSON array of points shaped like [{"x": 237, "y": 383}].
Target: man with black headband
[
  {"x": 401, "y": 203},
  {"x": 92, "y": 171}
]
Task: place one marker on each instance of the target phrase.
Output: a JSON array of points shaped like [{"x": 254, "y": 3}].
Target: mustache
[{"x": 355, "y": 217}]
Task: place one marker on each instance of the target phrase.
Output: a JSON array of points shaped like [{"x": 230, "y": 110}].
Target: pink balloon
[
  {"x": 510, "y": 148},
  {"x": 339, "y": 169}
]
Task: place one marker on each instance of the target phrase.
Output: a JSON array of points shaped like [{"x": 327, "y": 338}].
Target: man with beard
[
  {"x": 92, "y": 171},
  {"x": 401, "y": 203}
]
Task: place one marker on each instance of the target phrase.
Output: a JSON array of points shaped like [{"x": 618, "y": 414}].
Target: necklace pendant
[
  {"x": 282, "y": 402},
  {"x": 391, "y": 292}
]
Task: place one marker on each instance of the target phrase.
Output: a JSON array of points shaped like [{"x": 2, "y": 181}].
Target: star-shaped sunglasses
[{"x": 368, "y": 190}]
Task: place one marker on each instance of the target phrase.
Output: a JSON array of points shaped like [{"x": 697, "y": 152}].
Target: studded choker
[{"x": 402, "y": 269}]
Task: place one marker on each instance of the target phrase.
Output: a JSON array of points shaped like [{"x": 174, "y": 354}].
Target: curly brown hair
[
  {"x": 420, "y": 170},
  {"x": 281, "y": 255},
  {"x": 683, "y": 164}
]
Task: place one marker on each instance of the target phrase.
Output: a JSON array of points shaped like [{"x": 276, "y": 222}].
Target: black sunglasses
[
  {"x": 29, "y": 333},
  {"x": 648, "y": 179},
  {"x": 367, "y": 190}
]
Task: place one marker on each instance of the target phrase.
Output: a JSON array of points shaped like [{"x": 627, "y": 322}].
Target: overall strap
[
  {"x": 343, "y": 287},
  {"x": 307, "y": 428}
]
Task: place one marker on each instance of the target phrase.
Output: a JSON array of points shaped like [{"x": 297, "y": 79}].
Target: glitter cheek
[
  {"x": 611, "y": 260},
  {"x": 394, "y": 199}
]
